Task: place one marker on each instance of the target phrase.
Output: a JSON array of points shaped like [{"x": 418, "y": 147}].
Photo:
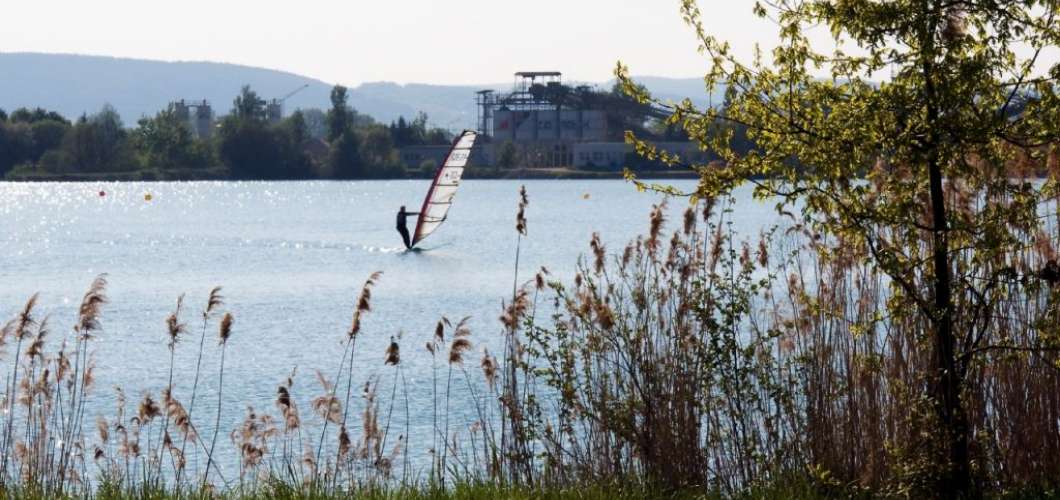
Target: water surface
[{"x": 292, "y": 257}]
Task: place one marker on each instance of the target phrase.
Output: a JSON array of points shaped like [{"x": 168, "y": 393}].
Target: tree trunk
[{"x": 956, "y": 481}]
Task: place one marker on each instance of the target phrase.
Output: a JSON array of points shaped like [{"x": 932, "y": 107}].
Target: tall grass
[{"x": 689, "y": 361}]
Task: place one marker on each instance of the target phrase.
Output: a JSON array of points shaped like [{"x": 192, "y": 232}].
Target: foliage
[
  {"x": 254, "y": 150},
  {"x": 47, "y": 135},
  {"x": 167, "y": 141},
  {"x": 417, "y": 133},
  {"x": 687, "y": 364},
  {"x": 96, "y": 143},
  {"x": 316, "y": 122},
  {"x": 25, "y": 115},
  {"x": 248, "y": 106},
  {"x": 338, "y": 118},
  {"x": 246, "y": 144},
  {"x": 345, "y": 158},
  {"x": 16, "y": 145},
  {"x": 924, "y": 175}
]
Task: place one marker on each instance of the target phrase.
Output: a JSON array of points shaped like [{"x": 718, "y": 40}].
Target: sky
[
  {"x": 405, "y": 41},
  {"x": 356, "y": 41}
]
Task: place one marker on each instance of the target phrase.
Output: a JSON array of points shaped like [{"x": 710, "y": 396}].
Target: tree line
[{"x": 338, "y": 143}]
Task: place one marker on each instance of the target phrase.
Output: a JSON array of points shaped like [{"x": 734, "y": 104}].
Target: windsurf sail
[{"x": 443, "y": 189}]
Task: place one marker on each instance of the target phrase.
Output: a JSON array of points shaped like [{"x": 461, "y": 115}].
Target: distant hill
[{"x": 76, "y": 84}]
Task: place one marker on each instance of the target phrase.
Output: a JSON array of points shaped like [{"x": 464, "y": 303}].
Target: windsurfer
[{"x": 402, "y": 227}]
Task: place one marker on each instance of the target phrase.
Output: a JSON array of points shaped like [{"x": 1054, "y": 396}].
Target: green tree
[
  {"x": 110, "y": 131},
  {"x": 888, "y": 167},
  {"x": 16, "y": 145},
  {"x": 344, "y": 159},
  {"x": 377, "y": 149},
  {"x": 97, "y": 143},
  {"x": 316, "y": 122},
  {"x": 338, "y": 117},
  {"x": 25, "y": 115},
  {"x": 47, "y": 135},
  {"x": 166, "y": 141},
  {"x": 251, "y": 149},
  {"x": 297, "y": 128},
  {"x": 248, "y": 106}
]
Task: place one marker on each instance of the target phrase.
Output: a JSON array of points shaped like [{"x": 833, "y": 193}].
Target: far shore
[{"x": 471, "y": 174}]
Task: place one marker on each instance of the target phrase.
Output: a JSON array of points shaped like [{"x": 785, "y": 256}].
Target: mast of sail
[{"x": 446, "y": 180}]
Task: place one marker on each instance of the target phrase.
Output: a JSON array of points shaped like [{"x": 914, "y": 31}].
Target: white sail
[{"x": 443, "y": 189}]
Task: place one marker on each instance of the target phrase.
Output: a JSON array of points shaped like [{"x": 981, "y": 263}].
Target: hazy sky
[
  {"x": 427, "y": 41},
  {"x": 354, "y": 41}
]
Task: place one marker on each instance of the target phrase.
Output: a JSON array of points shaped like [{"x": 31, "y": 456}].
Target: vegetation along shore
[{"x": 254, "y": 142}]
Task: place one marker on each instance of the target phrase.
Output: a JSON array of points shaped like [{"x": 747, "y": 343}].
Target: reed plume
[
  {"x": 364, "y": 304},
  {"x": 174, "y": 329},
  {"x": 489, "y": 368},
  {"x": 393, "y": 353},
  {"x": 224, "y": 331},
  {"x": 344, "y": 442},
  {"x": 148, "y": 409},
  {"x": 658, "y": 218},
  {"x": 36, "y": 347},
  {"x": 520, "y": 216},
  {"x": 515, "y": 310},
  {"x": 25, "y": 318},
  {"x": 175, "y": 411},
  {"x": 213, "y": 302},
  {"x": 539, "y": 278},
  {"x": 91, "y": 306},
  {"x": 287, "y": 408},
  {"x": 598, "y": 253},
  {"x": 327, "y": 406},
  {"x": 103, "y": 429},
  {"x": 457, "y": 350},
  {"x": 20, "y": 329}
]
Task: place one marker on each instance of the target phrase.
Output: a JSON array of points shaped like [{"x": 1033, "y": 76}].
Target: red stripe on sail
[{"x": 418, "y": 234}]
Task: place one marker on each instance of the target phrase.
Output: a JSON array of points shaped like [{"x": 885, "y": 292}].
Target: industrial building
[
  {"x": 616, "y": 155},
  {"x": 552, "y": 124},
  {"x": 197, "y": 114},
  {"x": 414, "y": 156}
]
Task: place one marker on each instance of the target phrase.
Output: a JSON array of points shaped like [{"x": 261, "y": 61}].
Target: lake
[{"x": 292, "y": 257}]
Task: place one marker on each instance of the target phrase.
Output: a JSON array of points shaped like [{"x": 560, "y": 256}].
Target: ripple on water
[{"x": 292, "y": 258}]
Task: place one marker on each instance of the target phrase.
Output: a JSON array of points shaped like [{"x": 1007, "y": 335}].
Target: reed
[
  {"x": 689, "y": 361},
  {"x": 223, "y": 333},
  {"x": 214, "y": 302}
]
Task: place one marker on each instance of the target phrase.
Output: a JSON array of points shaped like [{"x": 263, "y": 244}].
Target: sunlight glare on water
[{"x": 292, "y": 258}]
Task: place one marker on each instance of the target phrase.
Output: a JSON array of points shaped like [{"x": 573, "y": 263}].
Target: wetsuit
[{"x": 402, "y": 227}]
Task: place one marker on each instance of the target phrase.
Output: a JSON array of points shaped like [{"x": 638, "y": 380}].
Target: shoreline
[{"x": 520, "y": 174}]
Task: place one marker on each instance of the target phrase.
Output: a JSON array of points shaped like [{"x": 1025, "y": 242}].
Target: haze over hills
[{"x": 76, "y": 84}]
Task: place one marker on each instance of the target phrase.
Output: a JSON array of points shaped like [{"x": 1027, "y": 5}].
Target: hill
[{"x": 76, "y": 84}]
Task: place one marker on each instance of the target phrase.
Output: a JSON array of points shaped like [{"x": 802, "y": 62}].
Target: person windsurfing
[{"x": 402, "y": 227}]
